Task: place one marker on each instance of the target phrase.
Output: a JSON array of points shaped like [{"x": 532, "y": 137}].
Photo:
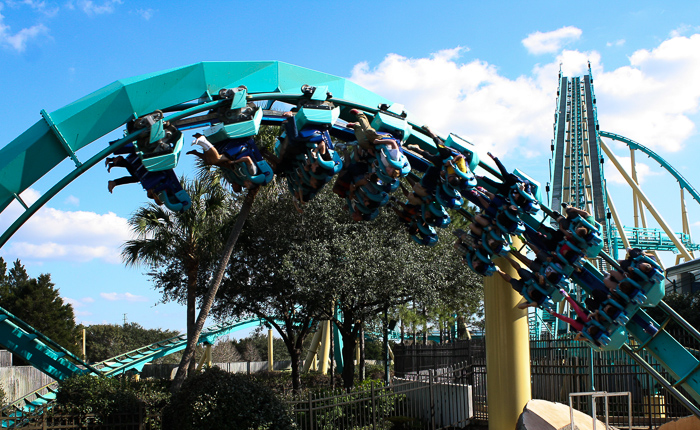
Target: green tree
[
  {"x": 180, "y": 248},
  {"x": 262, "y": 282},
  {"x": 264, "y": 139},
  {"x": 103, "y": 341},
  {"x": 215, "y": 399},
  {"x": 291, "y": 269},
  {"x": 208, "y": 300},
  {"x": 37, "y": 302},
  {"x": 686, "y": 305}
]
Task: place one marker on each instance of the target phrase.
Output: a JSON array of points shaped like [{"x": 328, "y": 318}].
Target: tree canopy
[
  {"x": 103, "y": 341},
  {"x": 37, "y": 302},
  {"x": 292, "y": 268},
  {"x": 181, "y": 248}
]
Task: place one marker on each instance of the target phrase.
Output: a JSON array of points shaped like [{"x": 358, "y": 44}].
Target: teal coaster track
[
  {"x": 650, "y": 238},
  {"x": 59, "y": 363},
  {"x": 188, "y": 94}
]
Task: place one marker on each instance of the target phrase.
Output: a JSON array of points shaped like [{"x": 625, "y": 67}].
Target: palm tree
[
  {"x": 208, "y": 300},
  {"x": 181, "y": 248},
  {"x": 264, "y": 139}
]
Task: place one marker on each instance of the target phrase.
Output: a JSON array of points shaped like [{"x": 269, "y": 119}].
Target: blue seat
[
  {"x": 426, "y": 229},
  {"x": 423, "y": 239},
  {"x": 164, "y": 184},
  {"x": 490, "y": 268},
  {"x": 448, "y": 197},
  {"x": 439, "y": 218},
  {"x": 592, "y": 244},
  {"x": 531, "y": 204},
  {"x": 577, "y": 261}
]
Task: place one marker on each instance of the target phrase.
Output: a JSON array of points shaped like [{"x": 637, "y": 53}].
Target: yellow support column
[
  {"x": 641, "y": 196},
  {"x": 325, "y": 347},
  {"x": 507, "y": 351},
  {"x": 270, "y": 351},
  {"x": 310, "y": 362}
]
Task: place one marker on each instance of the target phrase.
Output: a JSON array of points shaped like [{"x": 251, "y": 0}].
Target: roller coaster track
[
  {"x": 188, "y": 91},
  {"x": 675, "y": 173},
  {"x": 60, "y": 364}
]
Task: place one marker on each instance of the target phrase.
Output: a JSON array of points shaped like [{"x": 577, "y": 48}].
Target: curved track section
[
  {"x": 60, "y": 364},
  {"x": 676, "y": 174},
  {"x": 194, "y": 89},
  {"x": 59, "y": 135}
]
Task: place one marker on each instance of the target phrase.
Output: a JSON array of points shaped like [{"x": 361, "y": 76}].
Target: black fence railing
[
  {"x": 434, "y": 399},
  {"x": 416, "y": 357},
  {"x": 558, "y": 368}
]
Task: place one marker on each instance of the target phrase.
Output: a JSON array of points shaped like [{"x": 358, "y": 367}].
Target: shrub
[
  {"x": 215, "y": 399},
  {"x": 88, "y": 394}
]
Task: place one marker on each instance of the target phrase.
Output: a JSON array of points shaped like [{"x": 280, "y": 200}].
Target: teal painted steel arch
[
  {"x": 61, "y": 133},
  {"x": 676, "y": 174}
]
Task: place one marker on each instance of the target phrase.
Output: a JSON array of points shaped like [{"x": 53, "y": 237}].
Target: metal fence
[
  {"x": 428, "y": 400},
  {"x": 561, "y": 367},
  {"x": 54, "y": 419},
  {"x": 416, "y": 357}
]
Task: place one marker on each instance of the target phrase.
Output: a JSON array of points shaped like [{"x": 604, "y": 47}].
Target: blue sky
[{"x": 485, "y": 70}]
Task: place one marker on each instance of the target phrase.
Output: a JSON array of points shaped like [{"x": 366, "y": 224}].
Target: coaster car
[{"x": 160, "y": 148}]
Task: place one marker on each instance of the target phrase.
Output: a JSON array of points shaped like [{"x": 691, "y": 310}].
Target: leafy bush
[
  {"x": 87, "y": 394},
  {"x": 215, "y": 399}
]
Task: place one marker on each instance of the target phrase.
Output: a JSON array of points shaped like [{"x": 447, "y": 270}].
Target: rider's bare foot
[{"x": 295, "y": 201}]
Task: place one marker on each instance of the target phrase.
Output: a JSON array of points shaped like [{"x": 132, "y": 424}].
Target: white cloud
[
  {"x": 72, "y": 302},
  {"x": 652, "y": 99},
  {"x": 146, "y": 14},
  {"x": 123, "y": 296},
  {"x": 91, "y": 8},
  {"x": 43, "y": 7},
  {"x": 72, "y": 200},
  {"x": 19, "y": 40},
  {"x": 618, "y": 42},
  {"x": 471, "y": 99},
  {"x": 52, "y": 234},
  {"x": 78, "y": 303},
  {"x": 613, "y": 176},
  {"x": 552, "y": 41},
  {"x": 682, "y": 30}
]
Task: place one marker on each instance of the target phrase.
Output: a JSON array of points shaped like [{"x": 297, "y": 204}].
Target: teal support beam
[
  {"x": 60, "y": 137},
  {"x": 656, "y": 157}
]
